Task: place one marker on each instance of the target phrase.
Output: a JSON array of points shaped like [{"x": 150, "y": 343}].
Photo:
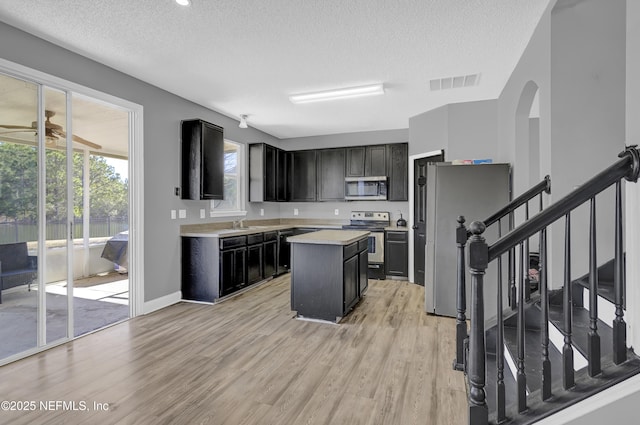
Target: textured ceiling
[{"x": 247, "y": 57}]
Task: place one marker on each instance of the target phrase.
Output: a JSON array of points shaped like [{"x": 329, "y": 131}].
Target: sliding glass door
[{"x": 63, "y": 216}]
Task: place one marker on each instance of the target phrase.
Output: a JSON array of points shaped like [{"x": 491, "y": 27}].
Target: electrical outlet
[
  {"x": 295, "y": 211},
  {"x": 182, "y": 213},
  {"x": 202, "y": 213},
  {"x": 261, "y": 211},
  {"x": 336, "y": 211},
  {"x": 173, "y": 214}
]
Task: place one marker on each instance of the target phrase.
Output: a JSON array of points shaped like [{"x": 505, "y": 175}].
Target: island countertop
[{"x": 329, "y": 237}]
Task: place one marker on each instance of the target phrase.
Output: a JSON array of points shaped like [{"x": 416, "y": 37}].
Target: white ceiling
[{"x": 247, "y": 57}]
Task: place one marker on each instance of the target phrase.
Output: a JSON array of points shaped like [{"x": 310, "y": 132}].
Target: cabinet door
[
  {"x": 398, "y": 168},
  {"x": 396, "y": 254},
  {"x": 363, "y": 268},
  {"x": 302, "y": 176},
  {"x": 375, "y": 160},
  {"x": 331, "y": 169},
  {"x": 281, "y": 175},
  {"x": 270, "y": 263},
  {"x": 227, "y": 272},
  {"x": 240, "y": 267},
  {"x": 270, "y": 173},
  {"x": 254, "y": 264},
  {"x": 351, "y": 274},
  {"x": 202, "y": 146},
  {"x": 355, "y": 161}
]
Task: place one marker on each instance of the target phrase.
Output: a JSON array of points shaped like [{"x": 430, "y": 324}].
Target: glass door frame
[{"x": 136, "y": 194}]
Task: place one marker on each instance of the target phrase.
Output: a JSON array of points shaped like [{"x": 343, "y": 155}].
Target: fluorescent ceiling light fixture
[
  {"x": 183, "y": 2},
  {"x": 345, "y": 93}
]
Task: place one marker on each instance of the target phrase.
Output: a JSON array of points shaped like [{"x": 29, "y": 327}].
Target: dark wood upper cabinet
[
  {"x": 331, "y": 172},
  {"x": 366, "y": 161},
  {"x": 202, "y": 146},
  {"x": 355, "y": 161},
  {"x": 302, "y": 176},
  {"x": 397, "y": 168},
  {"x": 375, "y": 161},
  {"x": 267, "y": 173},
  {"x": 282, "y": 168}
]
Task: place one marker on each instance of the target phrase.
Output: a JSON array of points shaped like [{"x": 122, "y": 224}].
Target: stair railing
[
  {"x": 481, "y": 254},
  {"x": 462, "y": 236}
]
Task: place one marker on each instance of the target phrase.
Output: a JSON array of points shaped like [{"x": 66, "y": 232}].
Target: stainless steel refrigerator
[{"x": 475, "y": 192}]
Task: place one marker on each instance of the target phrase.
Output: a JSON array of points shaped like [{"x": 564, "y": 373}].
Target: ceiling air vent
[{"x": 454, "y": 82}]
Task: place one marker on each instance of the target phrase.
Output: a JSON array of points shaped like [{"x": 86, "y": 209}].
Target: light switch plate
[
  {"x": 336, "y": 211},
  {"x": 295, "y": 211},
  {"x": 261, "y": 211},
  {"x": 182, "y": 213},
  {"x": 173, "y": 214},
  {"x": 202, "y": 213}
]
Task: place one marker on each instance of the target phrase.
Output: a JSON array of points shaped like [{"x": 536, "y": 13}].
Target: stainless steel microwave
[{"x": 362, "y": 188}]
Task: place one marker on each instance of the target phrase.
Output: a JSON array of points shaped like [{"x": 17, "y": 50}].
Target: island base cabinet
[{"x": 327, "y": 281}]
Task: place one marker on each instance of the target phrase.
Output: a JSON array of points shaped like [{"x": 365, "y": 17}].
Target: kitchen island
[{"x": 329, "y": 273}]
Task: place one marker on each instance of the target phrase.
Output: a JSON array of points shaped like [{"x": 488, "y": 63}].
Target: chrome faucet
[{"x": 238, "y": 224}]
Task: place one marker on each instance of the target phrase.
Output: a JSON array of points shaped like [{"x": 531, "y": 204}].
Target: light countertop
[
  {"x": 329, "y": 237},
  {"x": 222, "y": 233}
]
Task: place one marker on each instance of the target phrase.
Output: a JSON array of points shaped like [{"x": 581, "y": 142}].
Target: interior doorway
[{"x": 419, "y": 214}]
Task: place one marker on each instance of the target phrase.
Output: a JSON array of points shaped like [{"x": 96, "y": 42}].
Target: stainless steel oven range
[{"x": 374, "y": 222}]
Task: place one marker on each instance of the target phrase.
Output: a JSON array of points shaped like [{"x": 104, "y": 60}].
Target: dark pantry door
[{"x": 420, "y": 214}]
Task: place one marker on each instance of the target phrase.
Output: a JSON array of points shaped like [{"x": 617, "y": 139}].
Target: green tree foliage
[{"x": 19, "y": 183}]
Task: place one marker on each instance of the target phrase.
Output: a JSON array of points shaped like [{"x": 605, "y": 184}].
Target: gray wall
[
  {"x": 162, "y": 114},
  {"x": 464, "y": 130}
]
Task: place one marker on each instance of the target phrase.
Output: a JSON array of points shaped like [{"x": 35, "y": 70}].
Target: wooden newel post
[
  {"x": 461, "y": 296},
  {"x": 478, "y": 261}
]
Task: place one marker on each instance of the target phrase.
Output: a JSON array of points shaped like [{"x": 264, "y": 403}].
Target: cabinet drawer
[
  {"x": 396, "y": 236},
  {"x": 270, "y": 236},
  {"x": 255, "y": 239},
  {"x": 350, "y": 250},
  {"x": 233, "y": 242},
  {"x": 363, "y": 244}
]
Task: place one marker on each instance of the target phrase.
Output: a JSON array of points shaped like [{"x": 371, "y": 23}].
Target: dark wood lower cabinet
[
  {"x": 270, "y": 258},
  {"x": 254, "y": 264},
  {"x": 216, "y": 267},
  {"x": 232, "y": 270},
  {"x": 327, "y": 280},
  {"x": 363, "y": 266},
  {"x": 396, "y": 253},
  {"x": 350, "y": 275}
]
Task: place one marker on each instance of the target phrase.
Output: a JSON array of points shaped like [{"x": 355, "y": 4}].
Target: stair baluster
[
  {"x": 619, "y": 326},
  {"x": 521, "y": 378},
  {"x": 512, "y": 270},
  {"x": 500, "y": 388},
  {"x": 544, "y": 302},
  {"x": 461, "y": 297},
  {"x": 593, "y": 341},
  {"x": 568, "y": 378},
  {"x": 525, "y": 265},
  {"x": 478, "y": 260}
]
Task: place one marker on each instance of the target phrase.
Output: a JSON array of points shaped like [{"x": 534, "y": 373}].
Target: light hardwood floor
[{"x": 247, "y": 361}]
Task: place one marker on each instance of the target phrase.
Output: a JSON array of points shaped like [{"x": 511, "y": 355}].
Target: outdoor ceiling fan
[{"x": 53, "y": 131}]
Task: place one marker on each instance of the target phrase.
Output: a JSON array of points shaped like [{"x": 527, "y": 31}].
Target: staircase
[{"x": 548, "y": 349}]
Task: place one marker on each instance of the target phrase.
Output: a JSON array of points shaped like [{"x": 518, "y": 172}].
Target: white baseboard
[
  {"x": 617, "y": 402},
  {"x": 162, "y": 302}
]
